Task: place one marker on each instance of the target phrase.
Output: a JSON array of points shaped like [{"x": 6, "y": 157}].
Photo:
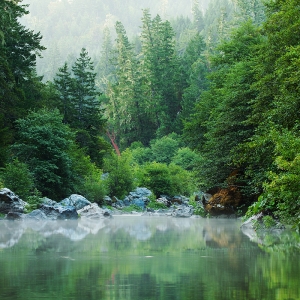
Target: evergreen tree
[
  {"x": 218, "y": 125},
  {"x": 128, "y": 117},
  {"x": 43, "y": 144},
  {"x": 160, "y": 67},
  {"x": 20, "y": 87},
  {"x": 63, "y": 82},
  {"x": 81, "y": 106}
]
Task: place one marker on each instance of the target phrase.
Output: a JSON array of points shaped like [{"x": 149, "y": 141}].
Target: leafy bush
[
  {"x": 121, "y": 175},
  {"x": 156, "y": 177},
  {"x": 281, "y": 191},
  {"x": 131, "y": 208},
  {"x": 182, "y": 181},
  {"x": 44, "y": 142},
  {"x": 156, "y": 205},
  {"x": 34, "y": 200},
  {"x": 94, "y": 187},
  {"x": 198, "y": 208},
  {"x": 16, "y": 177},
  {"x": 165, "y": 148},
  {"x": 186, "y": 158},
  {"x": 141, "y": 155}
]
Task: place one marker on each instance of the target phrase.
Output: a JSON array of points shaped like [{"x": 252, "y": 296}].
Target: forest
[{"x": 194, "y": 102}]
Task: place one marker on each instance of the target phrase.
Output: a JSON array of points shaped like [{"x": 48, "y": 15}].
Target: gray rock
[
  {"x": 140, "y": 202},
  {"x": 107, "y": 200},
  {"x": 119, "y": 204},
  {"x": 12, "y": 215},
  {"x": 48, "y": 201},
  {"x": 140, "y": 197},
  {"x": 93, "y": 211},
  {"x": 75, "y": 200},
  {"x": 165, "y": 201},
  {"x": 9, "y": 202},
  {"x": 183, "y": 211},
  {"x": 59, "y": 212},
  {"x": 37, "y": 215}
]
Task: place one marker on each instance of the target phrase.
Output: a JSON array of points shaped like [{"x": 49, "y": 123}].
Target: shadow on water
[{"x": 142, "y": 258}]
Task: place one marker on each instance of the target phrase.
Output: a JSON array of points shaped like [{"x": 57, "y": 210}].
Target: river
[{"x": 145, "y": 258}]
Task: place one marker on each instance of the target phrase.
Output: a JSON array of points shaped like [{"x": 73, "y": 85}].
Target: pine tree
[
  {"x": 160, "y": 67},
  {"x": 80, "y": 105},
  {"x": 20, "y": 88}
]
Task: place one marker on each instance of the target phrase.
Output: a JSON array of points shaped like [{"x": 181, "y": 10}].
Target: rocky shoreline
[{"x": 76, "y": 206}]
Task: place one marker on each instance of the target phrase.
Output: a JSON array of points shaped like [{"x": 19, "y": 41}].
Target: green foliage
[
  {"x": 153, "y": 204},
  {"x": 142, "y": 155},
  {"x": 131, "y": 208},
  {"x": 17, "y": 177},
  {"x": 164, "y": 149},
  {"x": 94, "y": 186},
  {"x": 186, "y": 158},
  {"x": 44, "y": 143},
  {"x": 182, "y": 181},
  {"x": 120, "y": 174},
  {"x": 156, "y": 177},
  {"x": 79, "y": 103},
  {"x": 281, "y": 191},
  {"x": 163, "y": 179},
  {"x": 34, "y": 200},
  {"x": 219, "y": 123},
  {"x": 198, "y": 208}
]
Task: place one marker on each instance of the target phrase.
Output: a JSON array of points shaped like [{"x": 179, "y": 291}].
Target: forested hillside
[{"x": 201, "y": 100}]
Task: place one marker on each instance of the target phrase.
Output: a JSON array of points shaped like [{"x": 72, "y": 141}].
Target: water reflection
[{"x": 141, "y": 258}]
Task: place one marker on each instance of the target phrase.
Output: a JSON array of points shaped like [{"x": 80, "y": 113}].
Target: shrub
[
  {"x": 156, "y": 177},
  {"x": 16, "y": 177},
  {"x": 34, "y": 200},
  {"x": 121, "y": 175},
  {"x": 156, "y": 205},
  {"x": 94, "y": 187},
  {"x": 181, "y": 180},
  {"x": 186, "y": 158},
  {"x": 164, "y": 149}
]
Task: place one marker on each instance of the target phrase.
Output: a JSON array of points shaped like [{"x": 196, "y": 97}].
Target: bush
[
  {"x": 156, "y": 177},
  {"x": 44, "y": 143},
  {"x": 94, "y": 187},
  {"x": 182, "y": 180},
  {"x": 186, "y": 158},
  {"x": 165, "y": 148},
  {"x": 16, "y": 177},
  {"x": 156, "y": 205},
  {"x": 141, "y": 155},
  {"x": 121, "y": 175},
  {"x": 34, "y": 200}
]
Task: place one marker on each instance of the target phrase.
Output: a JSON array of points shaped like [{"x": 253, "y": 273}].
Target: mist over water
[{"x": 141, "y": 258}]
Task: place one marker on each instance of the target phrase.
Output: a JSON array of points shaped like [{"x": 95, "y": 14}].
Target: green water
[{"x": 140, "y": 258}]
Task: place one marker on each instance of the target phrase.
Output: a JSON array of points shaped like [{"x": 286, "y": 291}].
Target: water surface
[{"x": 140, "y": 258}]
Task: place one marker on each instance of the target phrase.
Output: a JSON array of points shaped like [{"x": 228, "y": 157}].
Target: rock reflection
[{"x": 215, "y": 233}]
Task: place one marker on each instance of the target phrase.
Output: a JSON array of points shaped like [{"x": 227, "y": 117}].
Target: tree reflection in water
[{"x": 144, "y": 258}]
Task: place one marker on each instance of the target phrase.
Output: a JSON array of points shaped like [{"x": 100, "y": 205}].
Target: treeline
[{"x": 189, "y": 106}]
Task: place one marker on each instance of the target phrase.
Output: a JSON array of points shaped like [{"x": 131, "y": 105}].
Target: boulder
[
  {"x": 140, "y": 197},
  {"x": 177, "y": 200},
  {"x": 48, "y": 201},
  {"x": 164, "y": 200},
  {"x": 13, "y": 215},
  {"x": 93, "y": 211},
  {"x": 75, "y": 200},
  {"x": 9, "y": 202},
  {"x": 37, "y": 215},
  {"x": 59, "y": 212},
  {"x": 107, "y": 200},
  {"x": 223, "y": 202},
  {"x": 183, "y": 211},
  {"x": 119, "y": 204}
]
